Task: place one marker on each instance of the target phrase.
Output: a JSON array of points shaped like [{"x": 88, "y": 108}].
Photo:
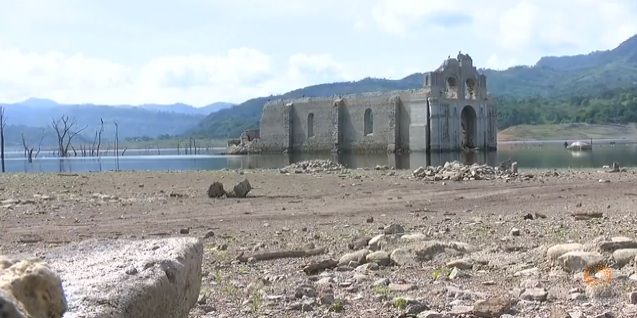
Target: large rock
[
  {"x": 240, "y": 190},
  {"x": 577, "y": 261},
  {"x": 141, "y": 279},
  {"x": 216, "y": 190},
  {"x": 624, "y": 256},
  {"x": 30, "y": 289},
  {"x": 356, "y": 257},
  {"x": 558, "y": 250}
]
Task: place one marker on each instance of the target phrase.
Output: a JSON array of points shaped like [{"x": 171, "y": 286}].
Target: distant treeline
[{"x": 611, "y": 106}]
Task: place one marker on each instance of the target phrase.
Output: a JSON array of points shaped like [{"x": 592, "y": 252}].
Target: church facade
[{"x": 450, "y": 112}]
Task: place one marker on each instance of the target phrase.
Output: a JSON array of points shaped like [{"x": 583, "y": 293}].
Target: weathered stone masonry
[{"x": 450, "y": 112}]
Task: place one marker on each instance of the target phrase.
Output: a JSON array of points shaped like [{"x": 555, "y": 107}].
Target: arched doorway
[{"x": 468, "y": 122}]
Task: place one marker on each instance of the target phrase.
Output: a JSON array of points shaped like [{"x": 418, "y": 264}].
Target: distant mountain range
[
  {"x": 33, "y": 119},
  {"x": 561, "y": 77}
]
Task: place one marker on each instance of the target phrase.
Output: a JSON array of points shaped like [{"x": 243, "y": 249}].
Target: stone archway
[{"x": 468, "y": 122}]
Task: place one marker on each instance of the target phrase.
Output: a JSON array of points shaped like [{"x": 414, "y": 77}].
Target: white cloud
[
  {"x": 398, "y": 16},
  {"x": 236, "y": 76}
]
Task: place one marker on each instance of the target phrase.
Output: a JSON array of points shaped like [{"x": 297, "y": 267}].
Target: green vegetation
[
  {"x": 615, "y": 106},
  {"x": 337, "y": 306},
  {"x": 441, "y": 272},
  {"x": 256, "y": 301},
  {"x": 400, "y": 303},
  {"x": 381, "y": 290},
  {"x": 578, "y": 131}
]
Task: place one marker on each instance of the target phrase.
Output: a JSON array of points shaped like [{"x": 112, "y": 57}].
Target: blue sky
[{"x": 202, "y": 51}]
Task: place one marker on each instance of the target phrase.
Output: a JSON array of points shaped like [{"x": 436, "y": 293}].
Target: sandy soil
[{"x": 330, "y": 210}]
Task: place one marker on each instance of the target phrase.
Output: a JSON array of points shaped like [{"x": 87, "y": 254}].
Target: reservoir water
[{"x": 528, "y": 155}]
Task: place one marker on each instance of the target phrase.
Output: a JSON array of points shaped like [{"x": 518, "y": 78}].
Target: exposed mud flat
[{"x": 438, "y": 248}]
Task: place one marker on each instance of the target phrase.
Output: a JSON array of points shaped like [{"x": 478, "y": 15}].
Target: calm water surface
[{"x": 528, "y": 155}]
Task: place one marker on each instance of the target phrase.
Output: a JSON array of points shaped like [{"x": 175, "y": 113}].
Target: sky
[{"x": 203, "y": 51}]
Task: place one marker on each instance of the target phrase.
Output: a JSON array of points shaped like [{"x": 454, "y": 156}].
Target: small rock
[
  {"x": 534, "y": 294},
  {"x": 492, "y": 307},
  {"x": 617, "y": 243},
  {"x": 527, "y": 272},
  {"x": 357, "y": 257},
  {"x": 558, "y": 250},
  {"x": 366, "y": 267},
  {"x": 624, "y": 256},
  {"x": 457, "y": 273},
  {"x": 381, "y": 282},
  {"x": 378, "y": 257},
  {"x": 209, "y": 234},
  {"x": 376, "y": 242},
  {"x": 394, "y": 229},
  {"x": 430, "y": 314},
  {"x": 461, "y": 264},
  {"x": 402, "y": 257},
  {"x": 577, "y": 261},
  {"x": 370, "y": 219},
  {"x": 305, "y": 291},
  {"x": 396, "y": 287},
  {"x": 216, "y": 190},
  {"x": 185, "y": 230},
  {"x": 359, "y": 243},
  {"x": 514, "y": 232},
  {"x": 632, "y": 298}
]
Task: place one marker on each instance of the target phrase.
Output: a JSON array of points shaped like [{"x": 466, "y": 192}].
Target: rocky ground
[{"x": 373, "y": 243}]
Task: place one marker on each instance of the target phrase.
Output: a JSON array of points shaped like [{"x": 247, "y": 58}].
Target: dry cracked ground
[{"x": 380, "y": 243}]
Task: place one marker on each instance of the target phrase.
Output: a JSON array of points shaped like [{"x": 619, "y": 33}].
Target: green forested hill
[{"x": 599, "y": 87}]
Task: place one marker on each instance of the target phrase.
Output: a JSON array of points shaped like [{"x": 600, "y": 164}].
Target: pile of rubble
[
  {"x": 312, "y": 166},
  {"x": 457, "y": 171}
]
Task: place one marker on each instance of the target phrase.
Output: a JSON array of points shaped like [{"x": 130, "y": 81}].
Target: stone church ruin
[{"x": 451, "y": 112}]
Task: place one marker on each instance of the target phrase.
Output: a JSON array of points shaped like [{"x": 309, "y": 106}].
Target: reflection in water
[{"x": 528, "y": 155}]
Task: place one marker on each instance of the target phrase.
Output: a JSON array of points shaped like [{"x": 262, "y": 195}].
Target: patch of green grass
[
  {"x": 230, "y": 290},
  {"x": 256, "y": 301},
  {"x": 337, "y": 306},
  {"x": 381, "y": 290},
  {"x": 216, "y": 276},
  {"x": 400, "y": 303},
  {"x": 440, "y": 272}
]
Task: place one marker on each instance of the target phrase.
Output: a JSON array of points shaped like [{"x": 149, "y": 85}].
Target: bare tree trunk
[
  {"x": 99, "y": 136},
  {"x": 28, "y": 152},
  {"x": 64, "y": 129},
  {"x": 178, "y": 147},
  {"x": 117, "y": 144},
  {"x": 2, "y": 124}
]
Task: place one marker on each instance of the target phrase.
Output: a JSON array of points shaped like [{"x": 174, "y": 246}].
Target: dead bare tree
[
  {"x": 65, "y": 128},
  {"x": 117, "y": 144},
  {"x": 3, "y": 122},
  {"x": 28, "y": 151},
  {"x": 97, "y": 141}
]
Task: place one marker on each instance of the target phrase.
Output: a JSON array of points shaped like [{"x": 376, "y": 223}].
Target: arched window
[
  {"x": 452, "y": 88},
  {"x": 310, "y": 125},
  {"x": 369, "y": 122},
  {"x": 470, "y": 88}
]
